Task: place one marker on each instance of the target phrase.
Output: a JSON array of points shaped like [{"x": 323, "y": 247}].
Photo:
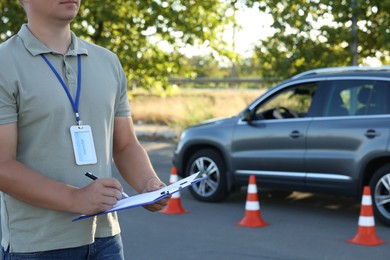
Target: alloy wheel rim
[
  {"x": 209, "y": 169},
  {"x": 382, "y": 195}
]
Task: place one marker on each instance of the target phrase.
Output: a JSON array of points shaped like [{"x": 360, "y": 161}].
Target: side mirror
[{"x": 247, "y": 115}]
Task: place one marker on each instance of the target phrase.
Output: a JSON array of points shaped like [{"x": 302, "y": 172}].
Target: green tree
[
  {"x": 205, "y": 66},
  {"x": 319, "y": 33},
  {"x": 147, "y": 35},
  {"x": 12, "y": 17}
]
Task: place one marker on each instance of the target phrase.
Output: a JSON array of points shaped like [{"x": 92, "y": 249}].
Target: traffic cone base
[
  {"x": 252, "y": 216},
  {"x": 366, "y": 234},
  {"x": 252, "y": 219},
  {"x": 174, "y": 207},
  {"x": 367, "y": 237}
]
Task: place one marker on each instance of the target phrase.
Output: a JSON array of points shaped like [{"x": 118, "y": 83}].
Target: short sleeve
[
  {"x": 123, "y": 106},
  {"x": 8, "y": 104}
]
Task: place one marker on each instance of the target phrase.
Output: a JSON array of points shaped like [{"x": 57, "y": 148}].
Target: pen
[{"x": 93, "y": 177}]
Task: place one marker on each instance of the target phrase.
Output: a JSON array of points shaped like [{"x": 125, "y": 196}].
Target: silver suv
[{"x": 322, "y": 131}]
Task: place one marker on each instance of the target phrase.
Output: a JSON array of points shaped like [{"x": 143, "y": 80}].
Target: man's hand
[
  {"x": 101, "y": 195},
  {"x": 152, "y": 185}
]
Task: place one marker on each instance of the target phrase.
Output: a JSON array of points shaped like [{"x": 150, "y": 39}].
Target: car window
[
  {"x": 292, "y": 102},
  {"x": 373, "y": 100},
  {"x": 356, "y": 97}
]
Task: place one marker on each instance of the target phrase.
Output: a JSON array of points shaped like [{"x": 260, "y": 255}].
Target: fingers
[
  {"x": 112, "y": 193},
  {"x": 159, "y": 205},
  {"x": 101, "y": 195},
  {"x": 156, "y": 206},
  {"x": 110, "y": 187},
  {"x": 152, "y": 185},
  {"x": 110, "y": 183}
]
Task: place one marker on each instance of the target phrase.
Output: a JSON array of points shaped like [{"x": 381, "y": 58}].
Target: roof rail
[{"x": 341, "y": 69}]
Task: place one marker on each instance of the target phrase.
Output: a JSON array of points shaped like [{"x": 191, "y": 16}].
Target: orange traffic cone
[
  {"x": 252, "y": 216},
  {"x": 366, "y": 234},
  {"x": 174, "y": 205}
]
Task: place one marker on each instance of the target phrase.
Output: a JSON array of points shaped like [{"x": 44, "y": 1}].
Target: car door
[
  {"x": 271, "y": 142},
  {"x": 339, "y": 143}
]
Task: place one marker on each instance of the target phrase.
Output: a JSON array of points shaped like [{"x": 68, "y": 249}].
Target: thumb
[{"x": 153, "y": 184}]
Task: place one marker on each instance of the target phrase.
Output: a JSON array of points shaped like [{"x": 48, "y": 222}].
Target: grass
[{"x": 189, "y": 106}]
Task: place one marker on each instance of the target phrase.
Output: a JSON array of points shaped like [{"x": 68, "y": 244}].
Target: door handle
[
  {"x": 371, "y": 133},
  {"x": 295, "y": 134}
]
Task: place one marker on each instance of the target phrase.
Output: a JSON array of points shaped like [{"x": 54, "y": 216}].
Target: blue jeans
[{"x": 108, "y": 248}]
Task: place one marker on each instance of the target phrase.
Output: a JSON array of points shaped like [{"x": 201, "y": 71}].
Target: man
[{"x": 64, "y": 111}]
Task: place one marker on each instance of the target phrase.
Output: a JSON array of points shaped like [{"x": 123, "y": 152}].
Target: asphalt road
[{"x": 304, "y": 226}]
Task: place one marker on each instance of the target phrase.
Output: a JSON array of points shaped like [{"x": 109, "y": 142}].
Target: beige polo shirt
[{"x": 32, "y": 96}]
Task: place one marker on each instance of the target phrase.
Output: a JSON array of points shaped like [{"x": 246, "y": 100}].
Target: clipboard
[{"x": 148, "y": 197}]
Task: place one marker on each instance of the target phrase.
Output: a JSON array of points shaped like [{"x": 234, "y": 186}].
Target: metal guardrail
[{"x": 236, "y": 81}]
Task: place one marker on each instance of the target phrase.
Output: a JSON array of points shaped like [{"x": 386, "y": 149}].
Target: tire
[
  {"x": 380, "y": 190},
  {"x": 210, "y": 164}
]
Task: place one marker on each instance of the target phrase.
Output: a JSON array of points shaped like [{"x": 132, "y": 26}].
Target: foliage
[
  {"x": 147, "y": 35},
  {"x": 318, "y": 33},
  {"x": 204, "y": 66},
  {"x": 12, "y": 16}
]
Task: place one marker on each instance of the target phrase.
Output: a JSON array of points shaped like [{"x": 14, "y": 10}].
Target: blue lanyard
[{"x": 75, "y": 104}]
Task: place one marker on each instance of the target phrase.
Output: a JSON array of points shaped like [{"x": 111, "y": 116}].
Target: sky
[{"x": 254, "y": 26}]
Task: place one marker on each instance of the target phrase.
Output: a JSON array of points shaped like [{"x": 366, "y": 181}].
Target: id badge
[{"x": 83, "y": 146}]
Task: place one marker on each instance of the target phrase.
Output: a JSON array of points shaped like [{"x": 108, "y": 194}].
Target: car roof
[{"x": 383, "y": 71}]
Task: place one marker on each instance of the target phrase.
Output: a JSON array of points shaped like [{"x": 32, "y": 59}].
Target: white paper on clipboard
[{"x": 149, "y": 197}]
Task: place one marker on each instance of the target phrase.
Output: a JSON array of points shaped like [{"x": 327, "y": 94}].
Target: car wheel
[
  {"x": 210, "y": 165},
  {"x": 380, "y": 189}
]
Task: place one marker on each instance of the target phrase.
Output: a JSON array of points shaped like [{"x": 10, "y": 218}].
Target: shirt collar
[{"x": 36, "y": 47}]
